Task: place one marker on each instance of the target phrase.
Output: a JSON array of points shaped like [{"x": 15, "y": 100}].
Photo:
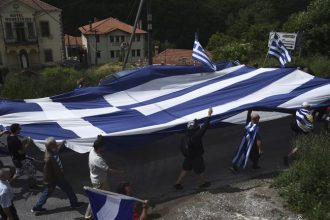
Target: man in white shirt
[
  {"x": 7, "y": 208},
  {"x": 99, "y": 169}
]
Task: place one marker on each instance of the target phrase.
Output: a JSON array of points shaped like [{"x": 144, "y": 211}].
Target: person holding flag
[{"x": 250, "y": 146}]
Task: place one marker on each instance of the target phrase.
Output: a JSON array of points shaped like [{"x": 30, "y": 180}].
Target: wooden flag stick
[{"x": 112, "y": 193}]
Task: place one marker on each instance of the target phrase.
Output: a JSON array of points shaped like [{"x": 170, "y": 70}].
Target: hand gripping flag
[
  {"x": 243, "y": 152},
  {"x": 278, "y": 50},
  {"x": 110, "y": 206},
  {"x": 200, "y": 55}
]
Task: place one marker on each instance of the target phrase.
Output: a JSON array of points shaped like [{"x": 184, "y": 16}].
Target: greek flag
[
  {"x": 244, "y": 149},
  {"x": 278, "y": 50},
  {"x": 304, "y": 120},
  {"x": 136, "y": 107},
  {"x": 200, "y": 55},
  {"x": 108, "y": 206}
]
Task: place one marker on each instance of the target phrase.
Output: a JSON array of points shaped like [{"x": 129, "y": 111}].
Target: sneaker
[
  {"x": 37, "y": 210},
  {"x": 178, "y": 186},
  {"x": 234, "y": 170},
  {"x": 77, "y": 205},
  {"x": 205, "y": 185}
]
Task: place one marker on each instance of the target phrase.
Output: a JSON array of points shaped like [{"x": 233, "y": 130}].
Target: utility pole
[
  {"x": 149, "y": 20},
  {"x": 133, "y": 33}
]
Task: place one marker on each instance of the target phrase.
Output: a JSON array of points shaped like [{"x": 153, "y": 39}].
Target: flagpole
[
  {"x": 263, "y": 65},
  {"x": 112, "y": 193}
]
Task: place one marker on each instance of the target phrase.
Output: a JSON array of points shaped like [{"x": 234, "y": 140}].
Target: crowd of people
[{"x": 191, "y": 148}]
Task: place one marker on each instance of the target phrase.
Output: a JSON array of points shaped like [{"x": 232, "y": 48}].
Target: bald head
[{"x": 255, "y": 117}]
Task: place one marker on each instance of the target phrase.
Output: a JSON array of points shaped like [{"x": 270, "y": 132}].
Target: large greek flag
[
  {"x": 200, "y": 55},
  {"x": 278, "y": 50},
  {"x": 146, "y": 104}
]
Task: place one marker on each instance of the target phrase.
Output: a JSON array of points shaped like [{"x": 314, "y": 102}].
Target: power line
[
  {"x": 45, "y": 11},
  {"x": 131, "y": 10}
]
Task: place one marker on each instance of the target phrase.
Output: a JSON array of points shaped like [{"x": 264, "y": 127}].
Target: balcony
[{"x": 21, "y": 41}]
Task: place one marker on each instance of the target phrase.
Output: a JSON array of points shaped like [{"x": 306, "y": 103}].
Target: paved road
[{"x": 152, "y": 169}]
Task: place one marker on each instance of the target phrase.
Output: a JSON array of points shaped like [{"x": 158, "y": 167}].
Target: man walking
[
  {"x": 7, "y": 208},
  {"x": 193, "y": 150},
  {"x": 250, "y": 146},
  {"x": 54, "y": 176},
  {"x": 99, "y": 169},
  {"x": 17, "y": 149}
]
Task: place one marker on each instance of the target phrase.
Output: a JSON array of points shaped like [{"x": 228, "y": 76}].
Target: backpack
[{"x": 186, "y": 146}]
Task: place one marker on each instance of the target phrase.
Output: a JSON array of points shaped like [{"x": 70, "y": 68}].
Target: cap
[{"x": 305, "y": 105}]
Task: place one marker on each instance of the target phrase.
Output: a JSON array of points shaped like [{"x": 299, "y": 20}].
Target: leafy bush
[{"x": 306, "y": 184}]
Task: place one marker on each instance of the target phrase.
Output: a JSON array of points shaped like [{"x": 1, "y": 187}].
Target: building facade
[
  {"x": 106, "y": 41},
  {"x": 30, "y": 34}
]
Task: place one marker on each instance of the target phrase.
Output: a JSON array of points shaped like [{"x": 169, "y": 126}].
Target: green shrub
[{"x": 306, "y": 184}]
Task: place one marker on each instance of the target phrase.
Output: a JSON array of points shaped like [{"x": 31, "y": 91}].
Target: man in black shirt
[
  {"x": 17, "y": 149},
  {"x": 193, "y": 154}
]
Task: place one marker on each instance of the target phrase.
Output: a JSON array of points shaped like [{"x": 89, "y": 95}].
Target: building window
[
  {"x": 98, "y": 54},
  {"x": 133, "y": 53},
  {"x": 138, "y": 37},
  {"x": 97, "y": 37},
  {"x": 117, "y": 53},
  {"x": 112, "y": 54},
  {"x": 31, "y": 30},
  {"x": 9, "y": 31},
  {"x": 122, "y": 38},
  {"x": 112, "y": 39},
  {"x": 117, "y": 39},
  {"x": 48, "y": 55},
  {"x": 44, "y": 27},
  {"x": 138, "y": 53}
]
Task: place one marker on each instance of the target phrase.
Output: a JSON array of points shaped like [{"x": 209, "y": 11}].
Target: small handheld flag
[
  {"x": 200, "y": 55},
  {"x": 279, "y": 51},
  {"x": 110, "y": 206}
]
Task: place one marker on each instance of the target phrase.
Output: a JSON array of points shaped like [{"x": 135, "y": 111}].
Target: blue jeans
[{"x": 49, "y": 189}]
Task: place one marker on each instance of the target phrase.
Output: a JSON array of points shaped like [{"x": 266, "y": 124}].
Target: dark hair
[
  {"x": 121, "y": 187},
  {"x": 98, "y": 143},
  {"x": 14, "y": 127}
]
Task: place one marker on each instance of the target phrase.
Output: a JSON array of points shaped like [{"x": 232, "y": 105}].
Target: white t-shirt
[
  {"x": 98, "y": 168},
  {"x": 6, "y": 194}
]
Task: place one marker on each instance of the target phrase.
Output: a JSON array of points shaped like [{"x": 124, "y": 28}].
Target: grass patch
[{"x": 306, "y": 184}]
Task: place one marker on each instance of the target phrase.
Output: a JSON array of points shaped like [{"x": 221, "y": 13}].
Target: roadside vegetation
[{"x": 306, "y": 184}]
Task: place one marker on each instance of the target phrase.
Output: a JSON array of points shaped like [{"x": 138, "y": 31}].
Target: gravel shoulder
[{"x": 252, "y": 199}]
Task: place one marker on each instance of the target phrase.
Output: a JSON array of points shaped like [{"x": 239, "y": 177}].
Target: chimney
[{"x": 156, "y": 50}]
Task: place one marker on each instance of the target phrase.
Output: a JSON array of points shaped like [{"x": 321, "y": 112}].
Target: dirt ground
[{"x": 249, "y": 200}]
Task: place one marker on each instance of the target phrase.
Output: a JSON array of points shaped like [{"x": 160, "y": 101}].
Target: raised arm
[{"x": 206, "y": 125}]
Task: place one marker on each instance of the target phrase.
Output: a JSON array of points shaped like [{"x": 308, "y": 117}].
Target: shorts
[
  {"x": 27, "y": 169},
  {"x": 196, "y": 164}
]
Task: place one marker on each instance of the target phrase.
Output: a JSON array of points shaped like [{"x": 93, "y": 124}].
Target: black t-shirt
[{"x": 14, "y": 145}]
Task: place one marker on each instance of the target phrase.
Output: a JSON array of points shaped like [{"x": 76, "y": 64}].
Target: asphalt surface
[{"x": 153, "y": 169}]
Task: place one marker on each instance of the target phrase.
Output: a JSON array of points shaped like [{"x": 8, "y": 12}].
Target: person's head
[
  {"x": 82, "y": 83},
  {"x": 255, "y": 117},
  {"x": 192, "y": 126},
  {"x": 99, "y": 144},
  {"x": 15, "y": 129},
  {"x": 125, "y": 188},
  {"x": 306, "y": 105},
  {"x": 6, "y": 174},
  {"x": 51, "y": 145}
]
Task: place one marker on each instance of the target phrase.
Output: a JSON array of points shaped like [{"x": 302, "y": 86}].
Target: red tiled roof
[
  {"x": 108, "y": 25},
  {"x": 175, "y": 57},
  {"x": 73, "y": 41},
  {"x": 35, "y": 4}
]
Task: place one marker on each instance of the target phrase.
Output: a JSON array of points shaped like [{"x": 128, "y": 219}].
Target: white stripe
[
  {"x": 110, "y": 209},
  {"x": 157, "y": 107},
  {"x": 57, "y": 112},
  {"x": 163, "y": 86}
]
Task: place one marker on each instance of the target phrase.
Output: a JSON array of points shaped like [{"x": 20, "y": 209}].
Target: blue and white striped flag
[
  {"x": 304, "y": 120},
  {"x": 278, "y": 50},
  {"x": 200, "y": 55},
  {"x": 243, "y": 152},
  {"x": 110, "y": 206}
]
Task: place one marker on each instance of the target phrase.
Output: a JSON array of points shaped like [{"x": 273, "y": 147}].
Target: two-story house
[
  {"x": 30, "y": 34},
  {"x": 107, "y": 40}
]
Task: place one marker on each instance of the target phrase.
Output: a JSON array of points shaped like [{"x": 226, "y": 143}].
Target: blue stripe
[
  {"x": 125, "y": 210},
  {"x": 10, "y": 107}
]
